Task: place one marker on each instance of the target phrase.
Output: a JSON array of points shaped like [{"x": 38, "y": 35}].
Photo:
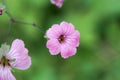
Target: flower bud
[{"x": 2, "y": 7}]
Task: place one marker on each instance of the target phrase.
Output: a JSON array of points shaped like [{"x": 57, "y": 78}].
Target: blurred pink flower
[
  {"x": 14, "y": 57},
  {"x": 62, "y": 38},
  {"x": 0, "y": 11},
  {"x": 57, "y": 3}
]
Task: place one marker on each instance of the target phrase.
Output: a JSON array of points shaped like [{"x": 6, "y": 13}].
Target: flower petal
[
  {"x": 67, "y": 51},
  {"x": 5, "y": 73},
  {"x": 67, "y": 28},
  {"x": 54, "y": 32},
  {"x": 54, "y": 46},
  {"x": 73, "y": 39},
  {"x": 58, "y": 3},
  {"x": 18, "y": 55}
]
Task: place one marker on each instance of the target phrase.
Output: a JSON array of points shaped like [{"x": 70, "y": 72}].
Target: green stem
[{"x": 13, "y": 20}]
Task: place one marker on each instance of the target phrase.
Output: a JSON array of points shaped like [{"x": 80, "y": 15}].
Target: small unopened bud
[
  {"x": 1, "y": 11},
  {"x": 2, "y": 7}
]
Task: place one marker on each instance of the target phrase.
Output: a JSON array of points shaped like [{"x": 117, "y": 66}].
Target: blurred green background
[{"x": 98, "y": 56}]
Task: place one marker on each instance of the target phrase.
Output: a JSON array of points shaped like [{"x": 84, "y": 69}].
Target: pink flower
[
  {"x": 57, "y": 3},
  {"x": 62, "y": 38},
  {"x": 14, "y": 57}
]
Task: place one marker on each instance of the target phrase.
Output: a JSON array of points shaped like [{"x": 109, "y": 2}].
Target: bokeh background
[{"x": 98, "y": 56}]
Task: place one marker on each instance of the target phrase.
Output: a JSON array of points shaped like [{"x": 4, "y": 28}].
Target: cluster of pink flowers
[
  {"x": 62, "y": 38},
  {"x": 15, "y": 56}
]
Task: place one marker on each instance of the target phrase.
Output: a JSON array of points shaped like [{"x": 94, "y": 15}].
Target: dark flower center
[
  {"x": 4, "y": 61},
  {"x": 61, "y": 38}
]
